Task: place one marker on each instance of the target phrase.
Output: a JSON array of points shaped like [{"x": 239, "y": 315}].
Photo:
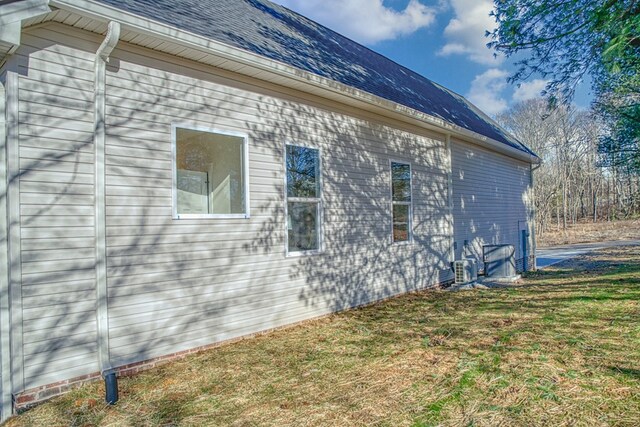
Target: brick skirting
[{"x": 33, "y": 396}]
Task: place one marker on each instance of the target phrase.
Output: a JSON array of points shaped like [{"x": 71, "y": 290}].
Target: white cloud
[
  {"x": 486, "y": 90},
  {"x": 529, "y": 90},
  {"x": 367, "y": 21},
  {"x": 465, "y": 32}
]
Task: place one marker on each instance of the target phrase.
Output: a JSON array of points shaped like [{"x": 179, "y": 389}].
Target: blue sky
[{"x": 441, "y": 39}]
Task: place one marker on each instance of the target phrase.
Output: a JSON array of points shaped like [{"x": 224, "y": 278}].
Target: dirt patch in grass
[
  {"x": 563, "y": 348},
  {"x": 588, "y": 232}
]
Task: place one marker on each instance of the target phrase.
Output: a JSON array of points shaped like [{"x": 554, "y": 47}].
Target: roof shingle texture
[{"x": 277, "y": 33}]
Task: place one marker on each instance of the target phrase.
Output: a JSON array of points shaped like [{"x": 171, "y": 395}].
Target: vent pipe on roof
[{"x": 102, "y": 317}]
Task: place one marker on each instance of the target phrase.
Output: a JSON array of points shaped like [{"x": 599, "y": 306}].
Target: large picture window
[
  {"x": 303, "y": 199},
  {"x": 401, "y": 201},
  {"x": 210, "y": 174}
]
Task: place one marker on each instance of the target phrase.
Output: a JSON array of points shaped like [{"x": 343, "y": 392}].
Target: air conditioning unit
[
  {"x": 466, "y": 270},
  {"x": 499, "y": 261}
]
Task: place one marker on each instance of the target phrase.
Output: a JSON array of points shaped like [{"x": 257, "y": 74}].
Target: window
[
  {"x": 210, "y": 174},
  {"x": 401, "y": 201},
  {"x": 303, "y": 199}
]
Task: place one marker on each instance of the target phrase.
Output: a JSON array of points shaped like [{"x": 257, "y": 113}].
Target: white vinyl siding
[
  {"x": 5, "y": 315},
  {"x": 57, "y": 213},
  {"x": 490, "y": 199},
  {"x": 174, "y": 285}
]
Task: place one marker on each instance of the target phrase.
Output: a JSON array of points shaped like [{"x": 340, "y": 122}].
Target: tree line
[
  {"x": 591, "y": 159},
  {"x": 578, "y": 179}
]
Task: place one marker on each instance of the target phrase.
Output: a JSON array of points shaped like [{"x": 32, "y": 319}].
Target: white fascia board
[
  {"x": 136, "y": 23},
  {"x": 10, "y": 33},
  {"x": 19, "y": 10},
  {"x": 11, "y": 17}
]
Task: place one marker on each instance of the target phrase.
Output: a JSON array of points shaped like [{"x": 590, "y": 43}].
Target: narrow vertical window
[
  {"x": 401, "y": 201},
  {"x": 303, "y": 199},
  {"x": 210, "y": 174}
]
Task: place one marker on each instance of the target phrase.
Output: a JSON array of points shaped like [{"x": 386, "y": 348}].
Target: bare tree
[{"x": 573, "y": 183}]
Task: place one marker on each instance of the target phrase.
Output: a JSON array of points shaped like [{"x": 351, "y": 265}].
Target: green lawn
[{"x": 563, "y": 349}]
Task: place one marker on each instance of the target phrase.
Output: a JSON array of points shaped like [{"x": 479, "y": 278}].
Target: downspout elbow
[{"x": 110, "y": 41}]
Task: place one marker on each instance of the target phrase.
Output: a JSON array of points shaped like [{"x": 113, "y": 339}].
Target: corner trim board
[
  {"x": 5, "y": 316},
  {"x": 452, "y": 238},
  {"x": 14, "y": 226},
  {"x": 532, "y": 217}
]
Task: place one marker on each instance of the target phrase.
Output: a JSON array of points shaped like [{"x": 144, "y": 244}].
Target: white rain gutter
[
  {"x": 102, "y": 57},
  {"x": 141, "y": 25}
]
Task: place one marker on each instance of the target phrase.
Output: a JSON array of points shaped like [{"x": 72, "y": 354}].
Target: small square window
[{"x": 209, "y": 174}]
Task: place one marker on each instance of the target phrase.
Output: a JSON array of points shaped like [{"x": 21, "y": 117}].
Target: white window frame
[
  {"x": 317, "y": 200},
  {"x": 174, "y": 168},
  {"x": 409, "y": 203}
]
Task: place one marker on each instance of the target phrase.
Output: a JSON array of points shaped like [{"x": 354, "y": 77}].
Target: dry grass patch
[
  {"x": 589, "y": 232},
  {"x": 563, "y": 349}
]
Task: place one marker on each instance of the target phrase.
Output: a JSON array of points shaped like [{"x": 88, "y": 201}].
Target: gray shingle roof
[{"x": 277, "y": 33}]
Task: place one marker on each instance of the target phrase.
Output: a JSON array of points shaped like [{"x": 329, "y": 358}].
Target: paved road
[{"x": 553, "y": 255}]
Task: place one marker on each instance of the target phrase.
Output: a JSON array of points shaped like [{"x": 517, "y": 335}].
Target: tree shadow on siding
[
  {"x": 359, "y": 263},
  {"x": 489, "y": 208},
  {"x": 53, "y": 296},
  {"x": 176, "y": 285},
  {"x": 172, "y": 282},
  {"x": 162, "y": 297}
]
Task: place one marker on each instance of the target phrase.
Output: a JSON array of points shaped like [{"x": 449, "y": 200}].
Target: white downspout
[{"x": 102, "y": 315}]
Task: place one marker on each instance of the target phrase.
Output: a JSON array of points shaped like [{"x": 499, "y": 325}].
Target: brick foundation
[{"x": 33, "y": 396}]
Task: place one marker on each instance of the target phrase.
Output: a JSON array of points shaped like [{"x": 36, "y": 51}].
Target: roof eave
[
  {"x": 11, "y": 16},
  {"x": 142, "y": 25}
]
